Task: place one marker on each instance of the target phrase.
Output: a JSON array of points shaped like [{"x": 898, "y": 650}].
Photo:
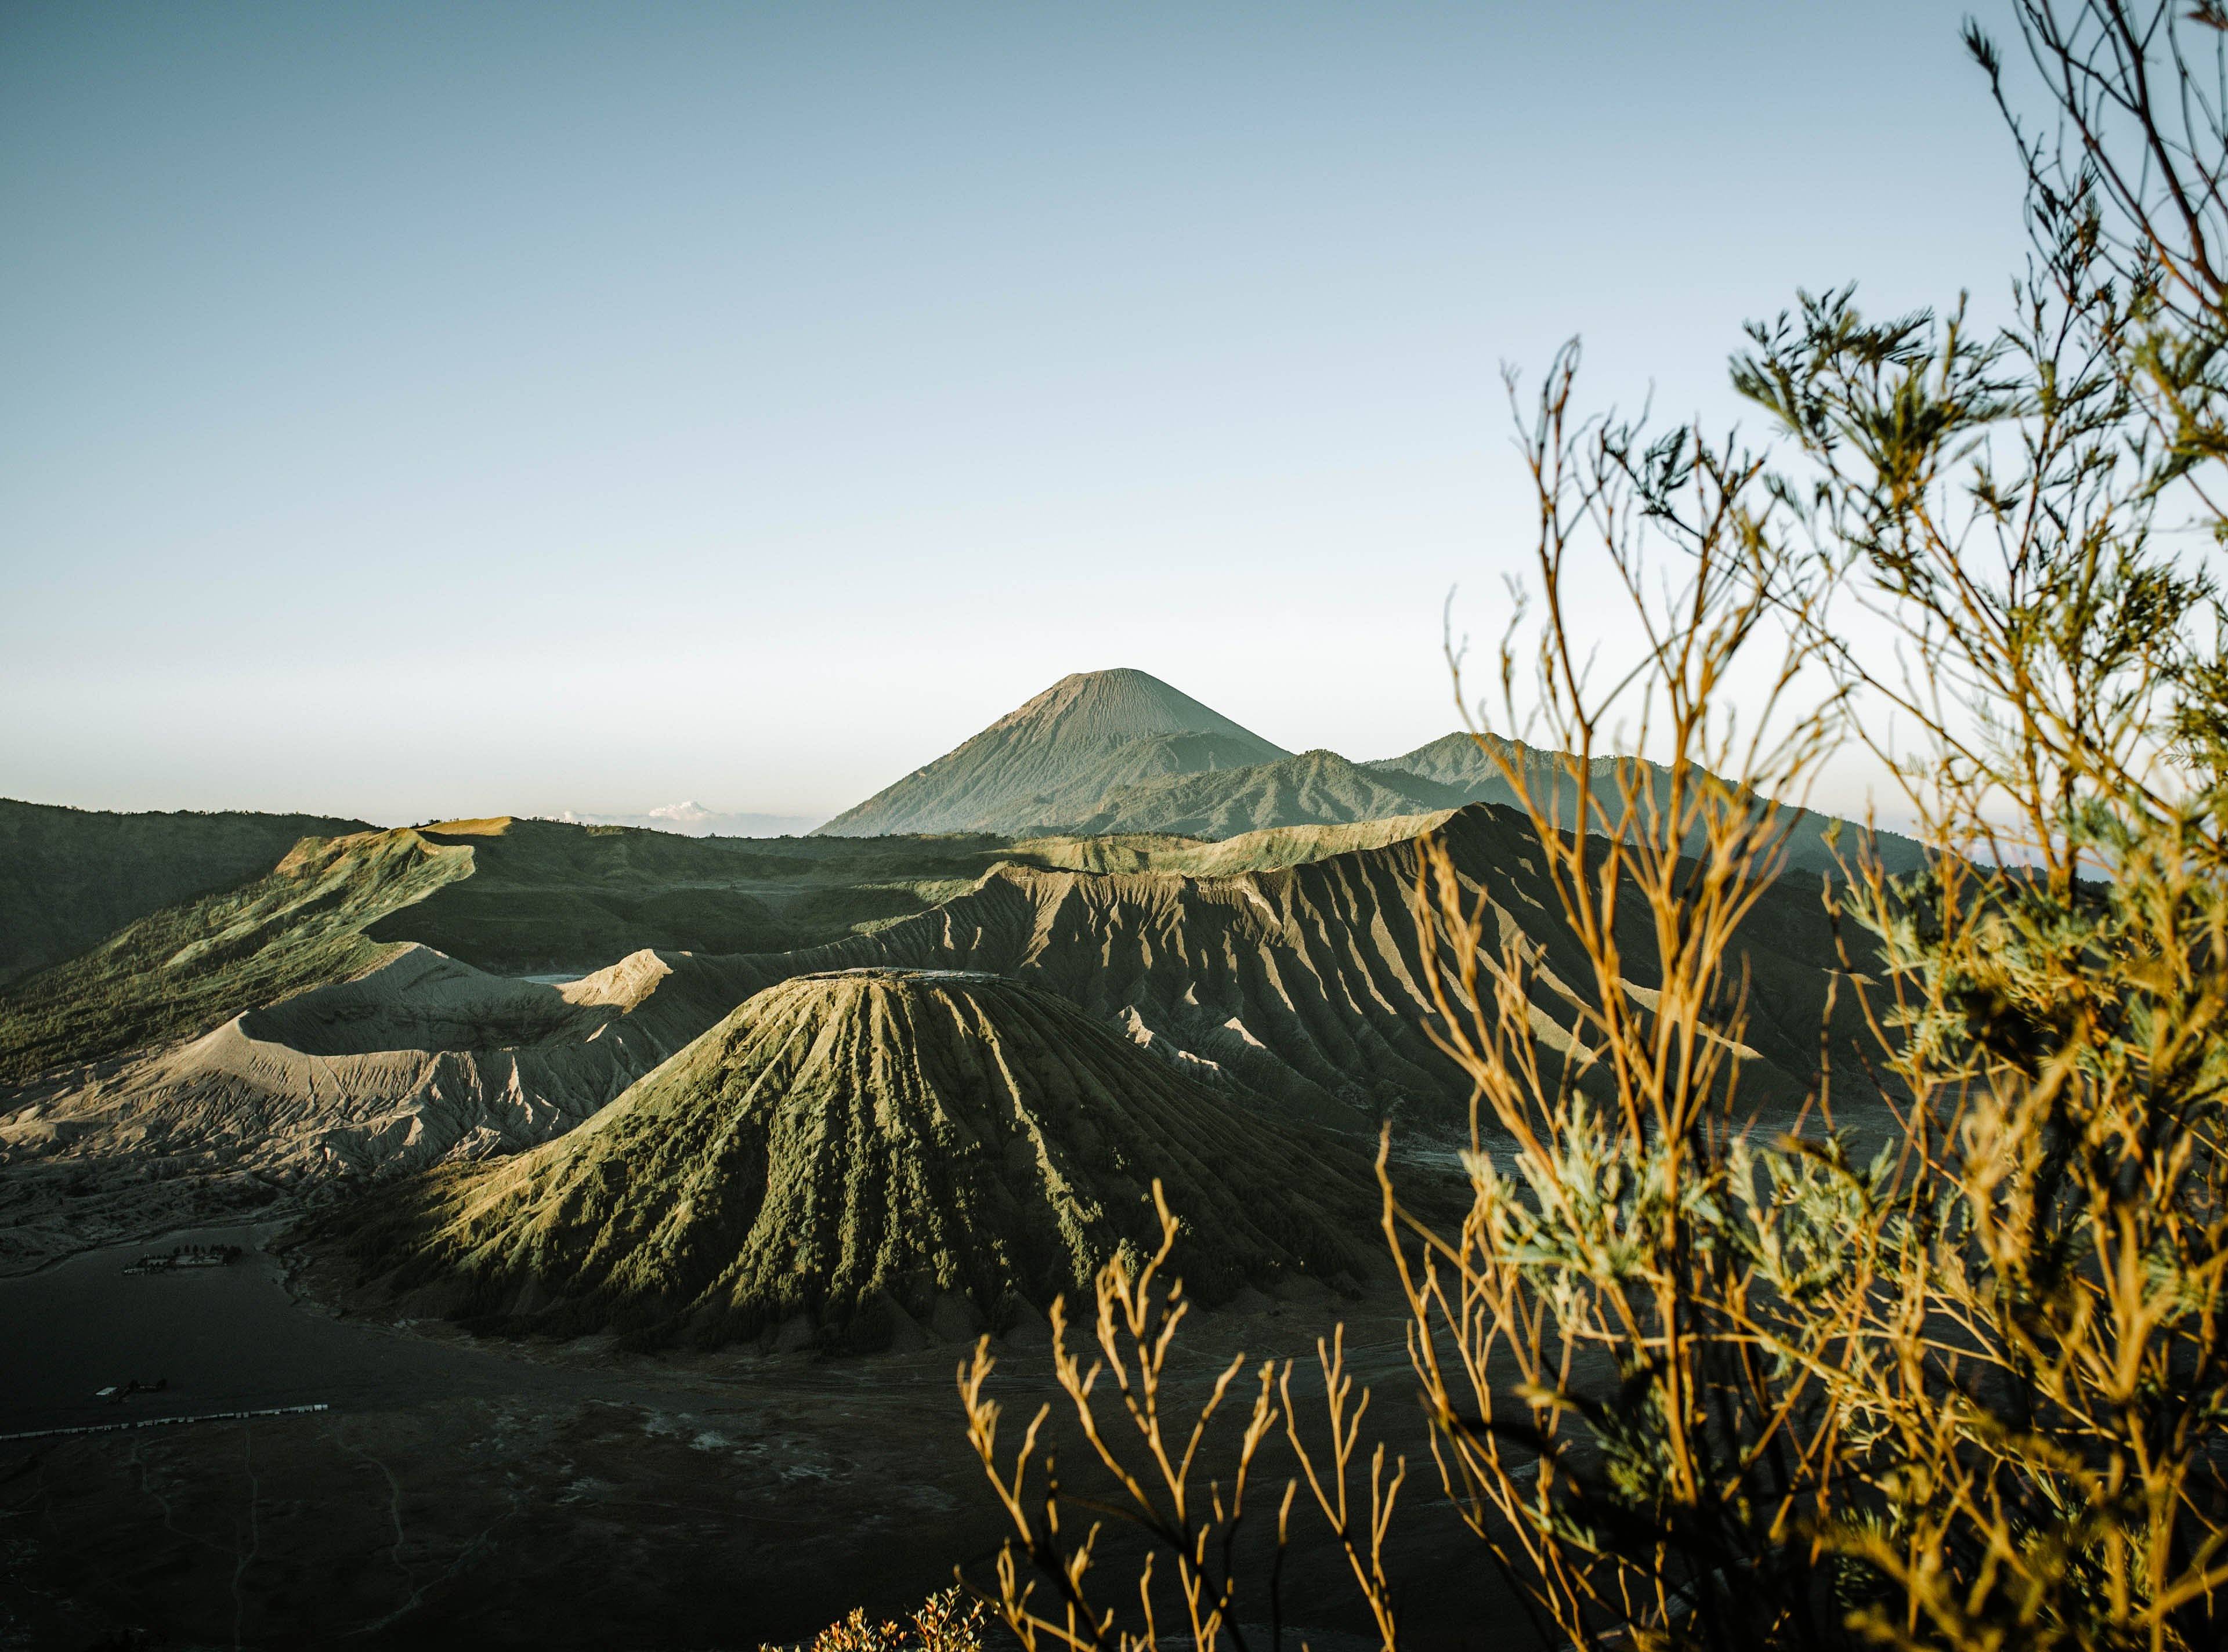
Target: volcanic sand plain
[{"x": 460, "y": 1492}]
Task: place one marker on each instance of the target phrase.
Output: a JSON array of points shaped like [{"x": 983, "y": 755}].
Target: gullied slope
[
  {"x": 1050, "y": 761},
  {"x": 1302, "y": 990},
  {"x": 1314, "y": 788},
  {"x": 868, "y": 1152},
  {"x": 299, "y": 1052},
  {"x": 68, "y": 876},
  {"x": 269, "y": 1041},
  {"x": 1462, "y": 766}
]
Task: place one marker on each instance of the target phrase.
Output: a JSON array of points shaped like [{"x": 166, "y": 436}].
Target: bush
[{"x": 943, "y": 1622}]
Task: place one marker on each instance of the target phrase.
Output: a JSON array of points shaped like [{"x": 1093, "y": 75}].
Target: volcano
[
  {"x": 865, "y": 1158},
  {"x": 1050, "y": 761}
]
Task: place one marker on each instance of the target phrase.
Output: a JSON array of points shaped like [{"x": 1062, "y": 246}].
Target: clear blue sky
[{"x": 424, "y": 410}]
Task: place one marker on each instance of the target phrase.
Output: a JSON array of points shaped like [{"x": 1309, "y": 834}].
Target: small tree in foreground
[{"x": 1937, "y": 1359}]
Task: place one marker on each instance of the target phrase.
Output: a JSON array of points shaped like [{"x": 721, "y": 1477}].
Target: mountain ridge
[
  {"x": 1464, "y": 763},
  {"x": 332, "y": 1051},
  {"x": 1099, "y": 754},
  {"x": 1315, "y": 787},
  {"x": 70, "y": 875}
]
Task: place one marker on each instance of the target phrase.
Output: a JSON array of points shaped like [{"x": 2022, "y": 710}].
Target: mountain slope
[
  {"x": 183, "y": 970},
  {"x": 1301, "y": 989},
  {"x": 1460, "y": 765},
  {"x": 511, "y": 897},
  {"x": 1050, "y": 761},
  {"x": 292, "y": 1043},
  {"x": 1118, "y": 752},
  {"x": 417, "y": 1059},
  {"x": 1250, "y": 852},
  {"x": 867, "y": 1150},
  {"x": 1314, "y": 788},
  {"x": 68, "y": 876}
]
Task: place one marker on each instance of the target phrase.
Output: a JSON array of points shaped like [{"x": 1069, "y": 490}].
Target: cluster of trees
[{"x": 1958, "y": 1383}]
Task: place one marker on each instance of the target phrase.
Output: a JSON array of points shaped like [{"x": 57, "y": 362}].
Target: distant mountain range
[
  {"x": 1109, "y": 752},
  {"x": 693, "y": 820}
]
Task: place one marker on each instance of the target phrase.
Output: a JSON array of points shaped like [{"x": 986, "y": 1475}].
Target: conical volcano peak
[
  {"x": 859, "y": 1154},
  {"x": 1122, "y": 703},
  {"x": 1048, "y": 763}
]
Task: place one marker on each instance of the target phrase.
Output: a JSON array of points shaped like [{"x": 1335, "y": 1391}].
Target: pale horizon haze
[{"x": 431, "y": 410}]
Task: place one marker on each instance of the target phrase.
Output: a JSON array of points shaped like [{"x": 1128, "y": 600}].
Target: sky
[{"x": 424, "y": 410}]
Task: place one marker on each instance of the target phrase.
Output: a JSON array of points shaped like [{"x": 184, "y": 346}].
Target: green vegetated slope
[
  {"x": 272, "y": 1035},
  {"x": 69, "y": 876},
  {"x": 506, "y": 896},
  {"x": 866, "y": 1154},
  {"x": 512, "y": 896},
  {"x": 1314, "y": 788},
  {"x": 1050, "y": 761},
  {"x": 191, "y": 966}
]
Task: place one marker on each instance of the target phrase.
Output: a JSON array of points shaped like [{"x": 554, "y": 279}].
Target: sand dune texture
[
  {"x": 861, "y": 1159},
  {"x": 418, "y": 1058}
]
